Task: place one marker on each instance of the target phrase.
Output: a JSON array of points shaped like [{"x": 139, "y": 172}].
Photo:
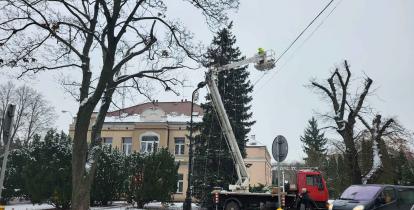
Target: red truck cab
[{"x": 315, "y": 185}]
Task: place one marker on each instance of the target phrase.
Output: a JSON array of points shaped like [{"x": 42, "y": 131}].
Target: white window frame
[
  {"x": 180, "y": 182},
  {"x": 181, "y": 146},
  {"x": 104, "y": 139},
  {"x": 153, "y": 144},
  {"x": 126, "y": 147}
]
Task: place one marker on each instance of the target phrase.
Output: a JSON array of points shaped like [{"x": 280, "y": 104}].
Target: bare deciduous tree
[
  {"x": 98, "y": 39},
  {"x": 40, "y": 117},
  {"x": 33, "y": 114},
  {"x": 346, "y": 109},
  {"x": 380, "y": 130}
]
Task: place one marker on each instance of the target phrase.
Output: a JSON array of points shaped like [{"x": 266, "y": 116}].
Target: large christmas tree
[{"x": 213, "y": 165}]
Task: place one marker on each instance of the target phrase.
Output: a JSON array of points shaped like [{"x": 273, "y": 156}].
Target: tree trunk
[
  {"x": 81, "y": 179},
  {"x": 386, "y": 173},
  {"x": 80, "y": 185},
  {"x": 81, "y": 198},
  {"x": 382, "y": 171},
  {"x": 351, "y": 156}
]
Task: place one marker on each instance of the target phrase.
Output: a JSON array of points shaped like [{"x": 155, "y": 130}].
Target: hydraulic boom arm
[{"x": 262, "y": 61}]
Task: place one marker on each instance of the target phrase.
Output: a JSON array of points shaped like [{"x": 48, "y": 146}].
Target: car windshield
[{"x": 360, "y": 193}]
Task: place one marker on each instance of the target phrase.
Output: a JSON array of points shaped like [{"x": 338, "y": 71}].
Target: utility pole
[
  {"x": 7, "y": 132},
  {"x": 187, "y": 201}
]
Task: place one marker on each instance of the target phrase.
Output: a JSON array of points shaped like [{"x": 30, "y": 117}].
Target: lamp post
[
  {"x": 68, "y": 112},
  {"x": 187, "y": 201}
]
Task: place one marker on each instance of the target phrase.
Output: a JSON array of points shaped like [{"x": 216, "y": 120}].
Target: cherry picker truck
[{"x": 238, "y": 197}]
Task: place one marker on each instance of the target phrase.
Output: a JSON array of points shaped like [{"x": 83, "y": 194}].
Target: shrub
[
  {"x": 109, "y": 177},
  {"x": 152, "y": 177},
  {"x": 47, "y": 174}
]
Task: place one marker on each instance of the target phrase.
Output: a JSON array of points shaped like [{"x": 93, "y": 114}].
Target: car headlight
[
  {"x": 359, "y": 207},
  {"x": 330, "y": 206}
]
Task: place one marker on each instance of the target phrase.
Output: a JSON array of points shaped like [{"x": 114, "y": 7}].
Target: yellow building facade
[
  {"x": 145, "y": 127},
  {"x": 259, "y": 164},
  {"x": 154, "y": 125}
]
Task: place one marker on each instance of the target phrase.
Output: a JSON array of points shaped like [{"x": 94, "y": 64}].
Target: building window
[
  {"x": 149, "y": 143},
  {"x": 127, "y": 145},
  {"x": 179, "y": 145},
  {"x": 180, "y": 183},
  {"x": 107, "y": 141}
]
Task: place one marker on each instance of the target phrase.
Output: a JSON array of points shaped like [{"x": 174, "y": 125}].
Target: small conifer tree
[{"x": 314, "y": 144}]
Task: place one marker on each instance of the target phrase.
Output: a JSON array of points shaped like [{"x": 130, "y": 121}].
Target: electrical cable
[
  {"x": 297, "y": 38},
  {"x": 300, "y": 46},
  {"x": 301, "y": 33}
]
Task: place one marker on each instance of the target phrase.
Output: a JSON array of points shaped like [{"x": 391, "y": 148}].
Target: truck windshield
[
  {"x": 360, "y": 193},
  {"x": 314, "y": 180}
]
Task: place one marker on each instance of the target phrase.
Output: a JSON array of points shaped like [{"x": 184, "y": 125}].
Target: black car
[{"x": 375, "y": 196}]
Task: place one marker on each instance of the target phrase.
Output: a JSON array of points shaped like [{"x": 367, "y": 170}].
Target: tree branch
[
  {"x": 366, "y": 124},
  {"x": 329, "y": 94},
  {"x": 128, "y": 20},
  {"x": 174, "y": 35},
  {"x": 143, "y": 73},
  {"x": 385, "y": 126},
  {"x": 134, "y": 54},
  {"x": 361, "y": 99}
]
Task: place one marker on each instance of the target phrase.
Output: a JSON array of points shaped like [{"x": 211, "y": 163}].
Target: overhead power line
[
  {"x": 301, "y": 33},
  {"x": 300, "y": 46},
  {"x": 297, "y": 38}
]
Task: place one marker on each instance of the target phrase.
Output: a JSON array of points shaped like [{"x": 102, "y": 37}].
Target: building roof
[
  {"x": 170, "y": 108},
  {"x": 155, "y": 111},
  {"x": 254, "y": 143}
]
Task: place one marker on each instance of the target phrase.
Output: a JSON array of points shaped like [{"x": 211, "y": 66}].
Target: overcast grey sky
[{"x": 375, "y": 36}]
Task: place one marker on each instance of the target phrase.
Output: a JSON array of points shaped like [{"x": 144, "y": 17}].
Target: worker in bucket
[{"x": 261, "y": 51}]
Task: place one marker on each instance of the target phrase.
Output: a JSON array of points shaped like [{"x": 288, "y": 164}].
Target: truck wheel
[{"x": 232, "y": 205}]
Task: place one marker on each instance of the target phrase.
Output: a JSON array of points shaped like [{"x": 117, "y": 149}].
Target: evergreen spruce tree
[
  {"x": 314, "y": 144},
  {"x": 213, "y": 164}
]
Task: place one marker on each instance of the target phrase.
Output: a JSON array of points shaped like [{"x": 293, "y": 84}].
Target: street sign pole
[
  {"x": 279, "y": 152},
  {"x": 7, "y": 133},
  {"x": 278, "y": 175}
]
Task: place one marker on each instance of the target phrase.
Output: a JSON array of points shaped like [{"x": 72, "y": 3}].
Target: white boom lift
[{"x": 263, "y": 61}]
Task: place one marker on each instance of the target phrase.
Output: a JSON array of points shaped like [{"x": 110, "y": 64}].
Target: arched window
[{"x": 149, "y": 142}]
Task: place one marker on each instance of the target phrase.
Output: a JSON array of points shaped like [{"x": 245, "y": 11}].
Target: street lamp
[
  {"x": 187, "y": 201},
  {"x": 66, "y": 111}
]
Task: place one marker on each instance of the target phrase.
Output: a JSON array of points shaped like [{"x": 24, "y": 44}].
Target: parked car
[{"x": 375, "y": 196}]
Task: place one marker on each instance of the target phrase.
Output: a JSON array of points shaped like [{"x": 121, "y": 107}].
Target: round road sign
[{"x": 280, "y": 148}]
